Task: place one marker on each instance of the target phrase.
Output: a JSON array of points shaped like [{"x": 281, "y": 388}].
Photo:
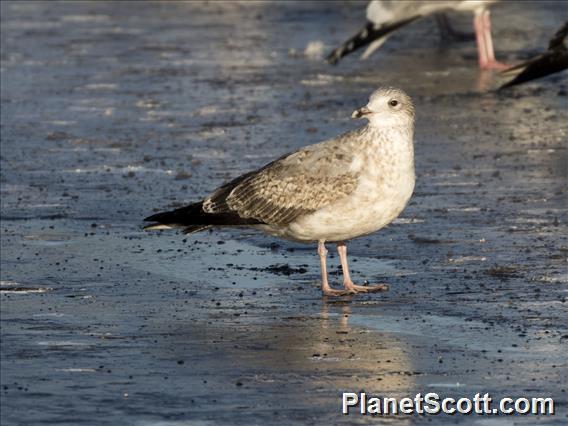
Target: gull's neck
[
  {"x": 391, "y": 131},
  {"x": 385, "y": 149}
]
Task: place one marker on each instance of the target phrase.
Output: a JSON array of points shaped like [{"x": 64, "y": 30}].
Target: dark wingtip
[
  {"x": 366, "y": 35},
  {"x": 333, "y": 58},
  {"x": 152, "y": 218},
  {"x": 507, "y": 85}
]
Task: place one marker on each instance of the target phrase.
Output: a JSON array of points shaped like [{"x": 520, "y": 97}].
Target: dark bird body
[{"x": 554, "y": 60}]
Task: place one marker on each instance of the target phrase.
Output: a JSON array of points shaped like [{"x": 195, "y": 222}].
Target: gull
[
  {"x": 332, "y": 191},
  {"x": 387, "y": 16},
  {"x": 554, "y": 60}
]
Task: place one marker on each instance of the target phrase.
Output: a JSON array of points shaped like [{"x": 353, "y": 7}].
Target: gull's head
[{"x": 387, "y": 107}]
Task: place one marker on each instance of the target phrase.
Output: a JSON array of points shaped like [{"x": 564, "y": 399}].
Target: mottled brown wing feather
[
  {"x": 294, "y": 185},
  {"x": 277, "y": 199}
]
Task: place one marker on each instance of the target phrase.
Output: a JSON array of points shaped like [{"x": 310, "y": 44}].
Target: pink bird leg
[{"x": 486, "y": 54}]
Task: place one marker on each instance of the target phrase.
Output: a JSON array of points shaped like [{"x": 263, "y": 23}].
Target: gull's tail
[
  {"x": 192, "y": 219},
  {"x": 370, "y": 33}
]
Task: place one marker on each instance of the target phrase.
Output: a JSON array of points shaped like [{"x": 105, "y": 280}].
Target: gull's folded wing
[{"x": 294, "y": 185}]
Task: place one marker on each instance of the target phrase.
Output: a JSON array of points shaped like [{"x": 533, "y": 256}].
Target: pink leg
[
  {"x": 325, "y": 287},
  {"x": 478, "y": 26},
  {"x": 347, "y": 283},
  {"x": 486, "y": 54}
]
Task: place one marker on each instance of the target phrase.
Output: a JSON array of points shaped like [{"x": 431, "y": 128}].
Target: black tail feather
[
  {"x": 365, "y": 36},
  {"x": 177, "y": 216},
  {"x": 193, "y": 219}
]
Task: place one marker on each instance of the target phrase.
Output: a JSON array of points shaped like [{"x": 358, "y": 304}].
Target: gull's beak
[{"x": 361, "y": 112}]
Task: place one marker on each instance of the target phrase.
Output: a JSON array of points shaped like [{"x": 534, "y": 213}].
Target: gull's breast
[{"x": 377, "y": 201}]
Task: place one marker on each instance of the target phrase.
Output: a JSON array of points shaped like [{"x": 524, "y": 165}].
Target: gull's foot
[
  {"x": 336, "y": 293},
  {"x": 494, "y": 65},
  {"x": 354, "y": 288}
]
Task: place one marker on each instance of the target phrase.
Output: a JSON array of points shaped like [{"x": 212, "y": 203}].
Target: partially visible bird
[
  {"x": 554, "y": 60},
  {"x": 336, "y": 190},
  {"x": 386, "y": 16}
]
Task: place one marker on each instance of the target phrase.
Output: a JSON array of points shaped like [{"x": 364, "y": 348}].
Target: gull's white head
[{"x": 387, "y": 107}]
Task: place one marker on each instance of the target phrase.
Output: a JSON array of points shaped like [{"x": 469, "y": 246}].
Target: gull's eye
[{"x": 393, "y": 102}]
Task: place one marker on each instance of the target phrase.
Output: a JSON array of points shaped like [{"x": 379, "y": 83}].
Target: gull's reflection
[
  {"x": 319, "y": 348},
  {"x": 291, "y": 357},
  {"x": 377, "y": 362},
  {"x": 485, "y": 80},
  {"x": 343, "y": 319}
]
